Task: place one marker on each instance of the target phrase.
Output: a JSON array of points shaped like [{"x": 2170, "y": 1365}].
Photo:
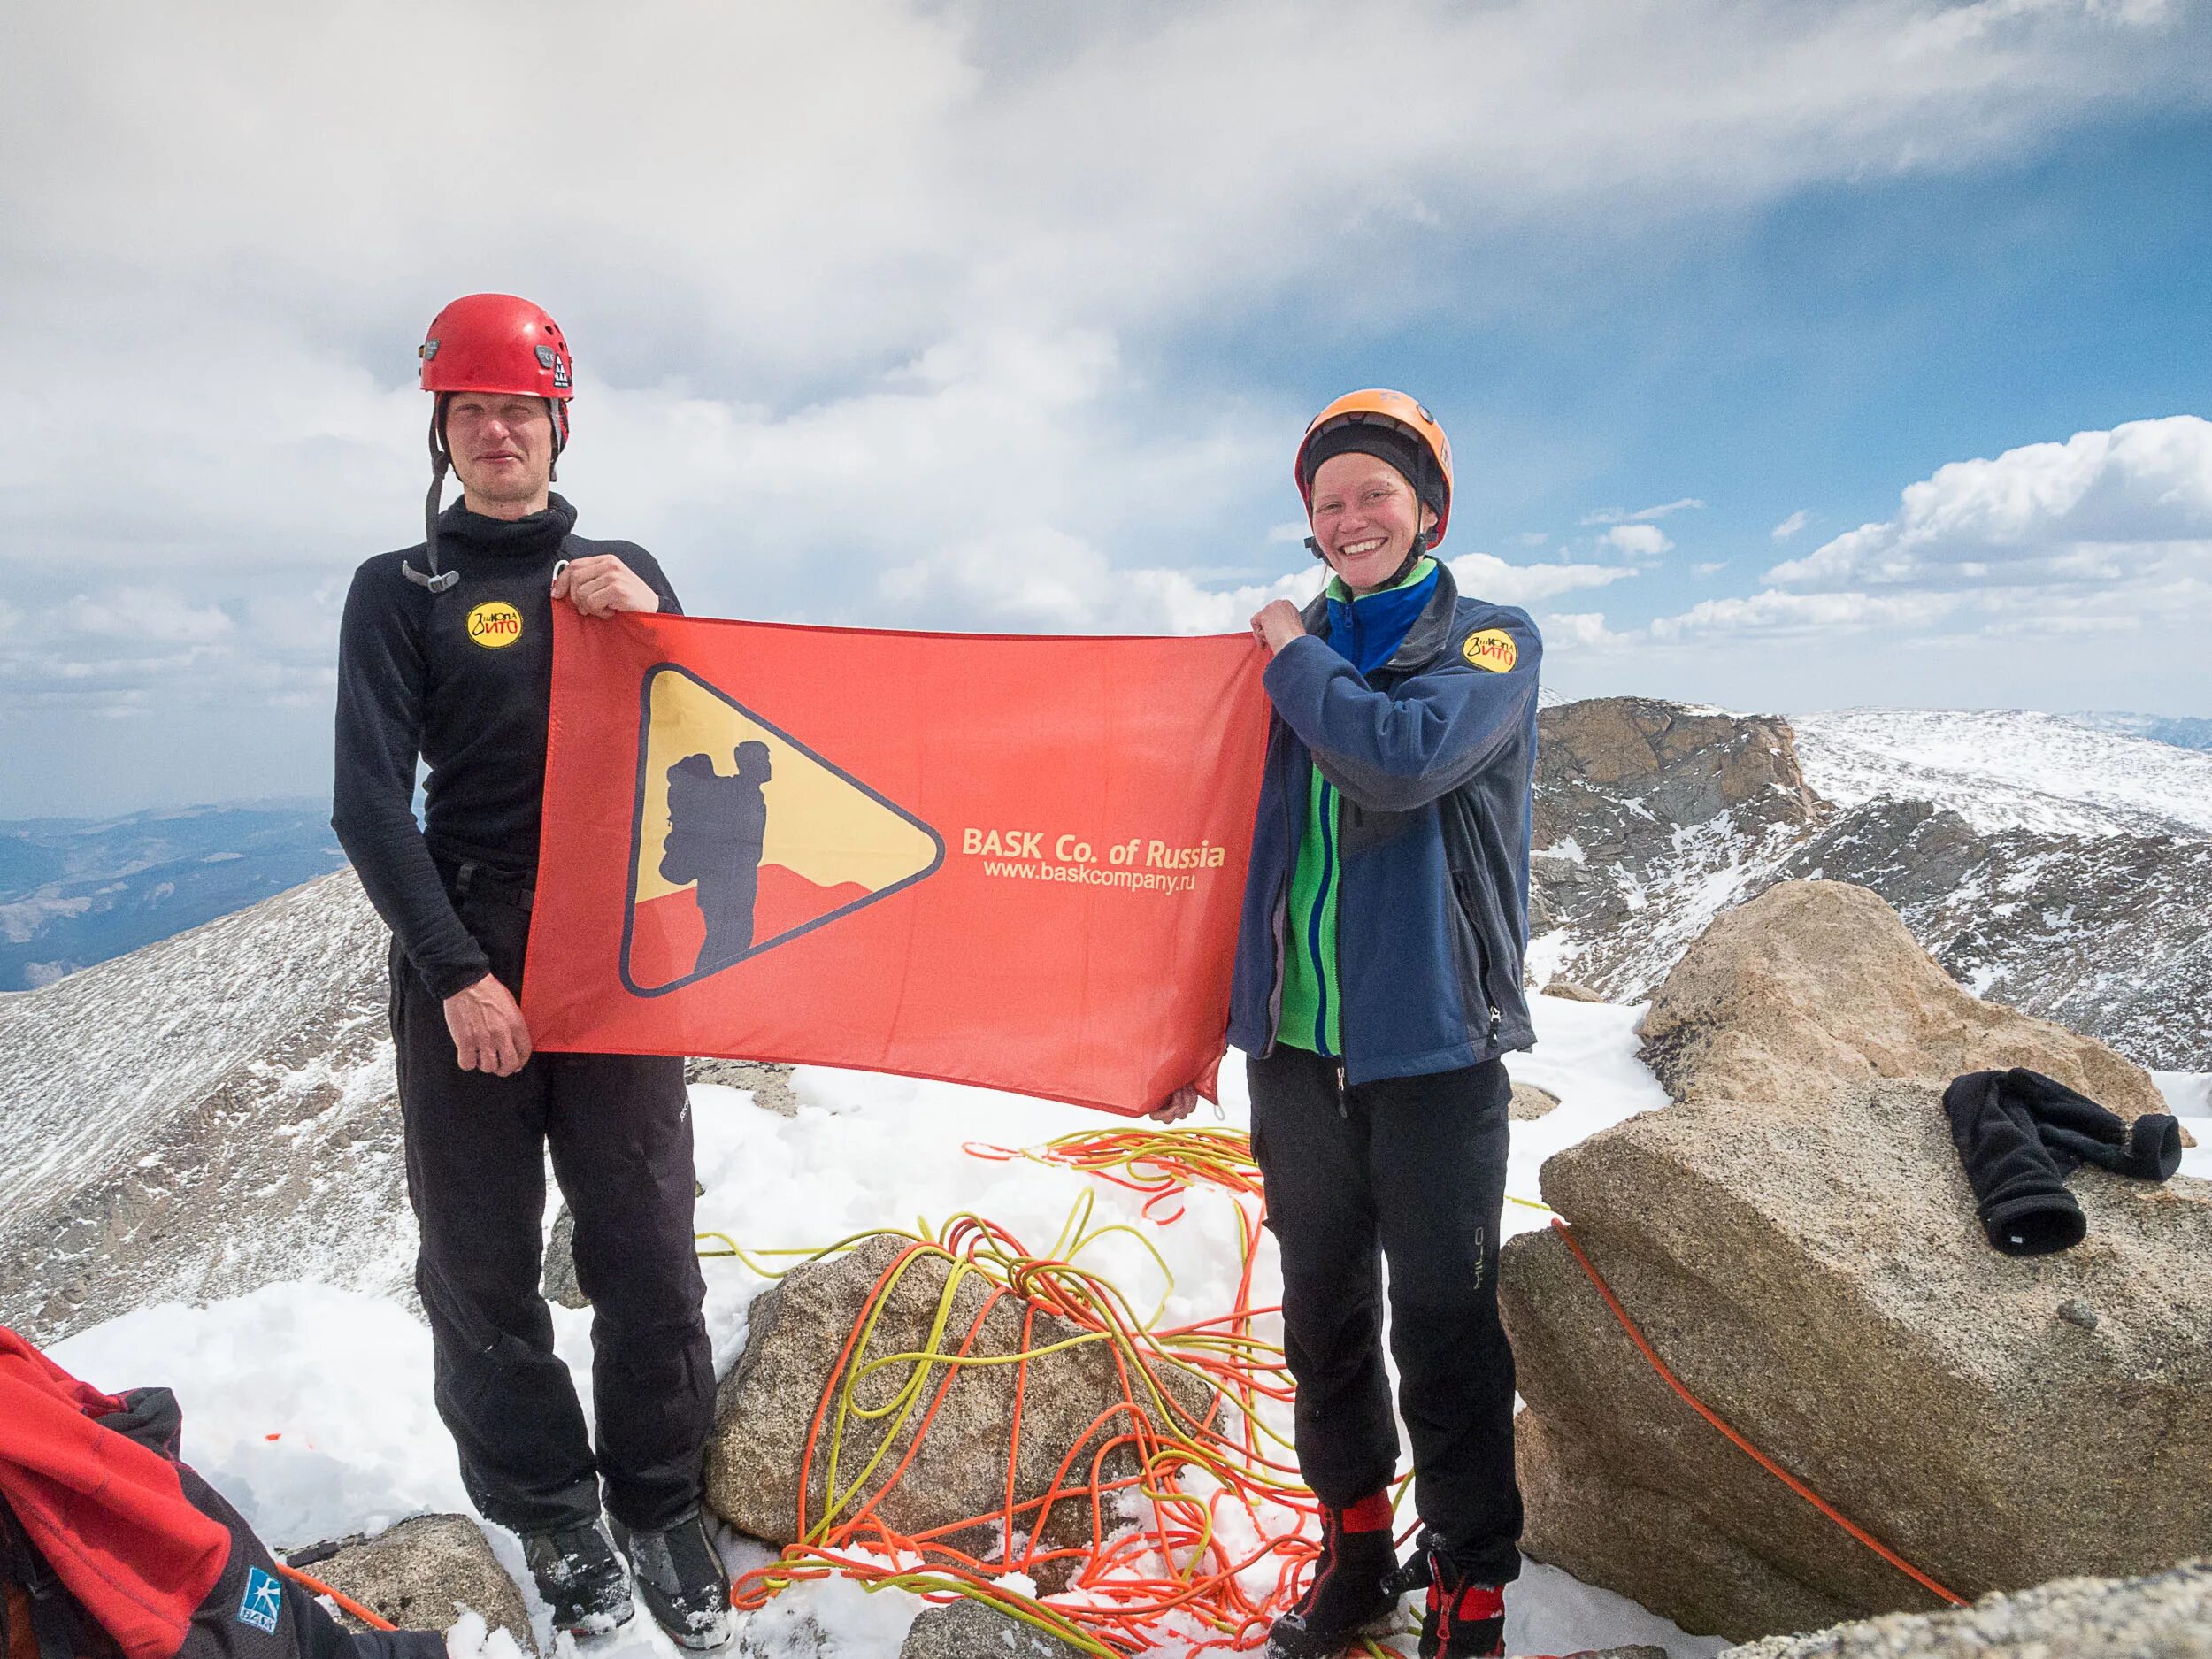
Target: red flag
[{"x": 1010, "y": 861}]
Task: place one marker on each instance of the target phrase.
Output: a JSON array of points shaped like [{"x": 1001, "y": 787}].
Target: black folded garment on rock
[{"x": 2020, "y": 1134}]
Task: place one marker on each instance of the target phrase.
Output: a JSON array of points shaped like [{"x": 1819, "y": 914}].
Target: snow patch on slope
[
  {"x": 2008, "y": 769},
  {"x": 140, "y": 1099},
  {"x": 1716, "y": 866}
]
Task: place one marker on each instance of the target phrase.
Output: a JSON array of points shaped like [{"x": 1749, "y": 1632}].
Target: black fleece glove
[{"x": 2019, "y": 1134}]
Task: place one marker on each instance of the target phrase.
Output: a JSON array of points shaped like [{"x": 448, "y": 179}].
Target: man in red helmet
[{"x": 445, "y": 656}]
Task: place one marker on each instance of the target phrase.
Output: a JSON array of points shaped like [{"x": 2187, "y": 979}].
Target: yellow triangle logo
[{"x": 745, "y": 838}]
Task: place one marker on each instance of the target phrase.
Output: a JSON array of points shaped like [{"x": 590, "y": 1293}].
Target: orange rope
[
  {"x": 374, "y": 1621},
  {"x": 1756, "y": 1454},
  {"x": 1118, "y": 1602}
]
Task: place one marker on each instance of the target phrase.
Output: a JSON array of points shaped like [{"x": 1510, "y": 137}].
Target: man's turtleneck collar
[{"x": 530, "y": 537}]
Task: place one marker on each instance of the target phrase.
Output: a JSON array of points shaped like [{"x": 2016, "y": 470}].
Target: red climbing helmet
[
  {"x": 499, "y": 342},
  {"x": 488, "y": 343}
]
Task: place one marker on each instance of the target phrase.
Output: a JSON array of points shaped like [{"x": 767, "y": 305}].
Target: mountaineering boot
[
  {"x": 1351, "y": 1596},
  {"x": 580, "y": 1579},
  {"x": 681, "y": 1574},
  {"x": 1465, "y": 1618}
]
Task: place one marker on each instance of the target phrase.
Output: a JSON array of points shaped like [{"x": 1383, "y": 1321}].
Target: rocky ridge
[
  {"x": 1653, "y": 817},
  {"x": 204, "y": 1115},
  {"x": 214, "y": 1113}
]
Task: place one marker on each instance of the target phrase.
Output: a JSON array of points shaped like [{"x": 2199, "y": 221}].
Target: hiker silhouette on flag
[{"x": 717, "y": 827}]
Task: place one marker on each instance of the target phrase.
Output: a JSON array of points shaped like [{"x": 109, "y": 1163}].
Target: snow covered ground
[
  {"x": 2189, "y": 1096},
  {"x": 309, "y": 1406},
  {"x": 2003, "y": 769}
]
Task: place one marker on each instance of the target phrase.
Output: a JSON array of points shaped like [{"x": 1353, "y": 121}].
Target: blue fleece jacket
[
  {"x": 1366, "y": 631},
  {"x": 1432, "y": 754}
]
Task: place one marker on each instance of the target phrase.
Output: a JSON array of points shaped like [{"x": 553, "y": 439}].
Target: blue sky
[
  {"x": 1016, "y": 329},
  {"x": 1815, "y": 355}
]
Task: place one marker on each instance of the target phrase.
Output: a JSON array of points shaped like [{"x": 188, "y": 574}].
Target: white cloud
[
  {"x": 1532, "y": 538},
  {"x": 1778, "y": 613},
  {"x": 141, "y": 613},
  {"x": 2128, "y": 504},
  {"x": 1637, "y": 541},
  {"x": 1578, "y": 630},
  {"x": 1044, "y": 581},
  {"x": 914, "y": 327},
  {"x": 1643, "y": 515},
  {"x": 2108, "y": 533},
  {"x": 1710, "y": 566},
  {"x": 1791, "y": 526},
  {"x": 974, "y": 164},
  {"x": 1487, "y": 576}
]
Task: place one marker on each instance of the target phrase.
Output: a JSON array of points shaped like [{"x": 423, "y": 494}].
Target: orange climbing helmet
[{"x": 1393, "y": 427}]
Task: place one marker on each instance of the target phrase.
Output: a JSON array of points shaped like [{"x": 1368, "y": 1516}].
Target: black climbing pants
[
  {"x": 620, "y": 1129},
  {"x": 1409, "y": 1171}
]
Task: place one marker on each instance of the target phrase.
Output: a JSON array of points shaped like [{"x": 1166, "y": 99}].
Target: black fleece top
[{"x": 463, "y": 681}]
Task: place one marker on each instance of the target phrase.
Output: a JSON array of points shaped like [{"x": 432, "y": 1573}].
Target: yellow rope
[{"x": 1162, "y": 1163}]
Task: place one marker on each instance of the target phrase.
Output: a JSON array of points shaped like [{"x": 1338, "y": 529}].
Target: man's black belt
[{"x": 513, "y": 888}]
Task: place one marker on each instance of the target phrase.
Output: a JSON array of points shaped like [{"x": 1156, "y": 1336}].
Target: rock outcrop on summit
[
  {"x": 1797, "y": 1241},
  {"x": 1815, "y": 985},
  {"x": 422, "y": 1574},
  {"x": 2165, "y": 1615}
]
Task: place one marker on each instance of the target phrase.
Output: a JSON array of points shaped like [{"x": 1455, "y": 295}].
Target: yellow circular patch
[
  {"x": 1492, "y": 648},
  {"x": 494, "y": 624}
]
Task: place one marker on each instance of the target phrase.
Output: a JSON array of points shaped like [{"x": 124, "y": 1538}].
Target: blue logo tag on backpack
[{"x": 264, "y": 1600}]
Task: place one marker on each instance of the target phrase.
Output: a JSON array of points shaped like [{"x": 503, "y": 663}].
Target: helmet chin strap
[
  {"x": 1413, "y": 556},
  {"x": 437, "y": 581}
]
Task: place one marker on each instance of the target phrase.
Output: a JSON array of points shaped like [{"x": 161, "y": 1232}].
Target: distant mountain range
[
  {"x": 2183, "y": 731},
  {"x": 77, "y": 891}
]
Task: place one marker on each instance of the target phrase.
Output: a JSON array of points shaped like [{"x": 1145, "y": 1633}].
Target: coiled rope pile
[{"x": 1202, "y": 1547}]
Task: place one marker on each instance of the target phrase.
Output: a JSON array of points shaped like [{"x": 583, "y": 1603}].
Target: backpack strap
[{"x": 35, "y": 1593}]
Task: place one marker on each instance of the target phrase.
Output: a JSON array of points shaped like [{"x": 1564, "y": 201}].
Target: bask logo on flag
[
  {"x": 1015, "y": 862},
  {"x": 746, "y": 838}
]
